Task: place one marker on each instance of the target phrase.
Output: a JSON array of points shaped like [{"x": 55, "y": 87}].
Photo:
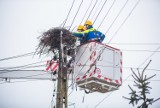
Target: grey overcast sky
[{"x": 22, "y": 21}]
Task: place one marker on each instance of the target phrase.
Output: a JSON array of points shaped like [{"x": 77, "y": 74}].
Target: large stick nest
[{"x": 50, "y": 40}]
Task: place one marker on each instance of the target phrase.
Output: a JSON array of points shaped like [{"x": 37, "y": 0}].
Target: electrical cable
[
  {"x": 96, "y": 10},
  {"x": 149, "y": 57},
  {"x": 17, "y": 56},
  {"x": 117, "y": 16},
  {"x": 92, "y": 10},
  {"x": 69, "y": 12},
  {"x": 76, "y": 14},
  {"x": 22, "y": 55},
  {"x": 86, "y": 12},
  {"x": 29, "y": 76},
  {"x": 9, "y": 71},
  {"x": 21, "y": 81},
  {"x": 140, "y": 50},
  {"x": 7, "y": 68},
  {"x": 135, "y": 43},
  {"x": 149, "y": 80},
  {"x": 106, "y": 14},
  {"x": 100, "y": 11},
  {"x": 127, "y": 50},
  {"x": 124, "y": 20}
]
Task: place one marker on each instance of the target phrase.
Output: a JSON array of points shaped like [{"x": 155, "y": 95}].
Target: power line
[
  {"x": 9, "y": 71},
  {"x": 117, "y": 16},
  {"x": 68, "y": 13},
  {"x": 149, "y": 80},
  {"x": 128, "y": 50},
  {"x": 86, "y": 11},
  {"x": 140, "y": 50},
  {"x": 22, "y": 55},
  {"x": 92, "y": 9},
  {"x": 106, "y": 14},
  {"x": 21, "y": 81},
  {"x": 149, "y": 57},
  {"x": 76, "y": 14},
  {"x": 6, "y": 68},
  {"x": 4, "y": 71},
  {"x": 96, "y": 10},
  {"x": 17, "y": 56},
  {"x": 103, "y": 99},
  {"x": 28, "y": 77},
  {"x": 100, "y": 11},
  {"x": 135, "y": 43},
  {"x": 124, "y": 20}
]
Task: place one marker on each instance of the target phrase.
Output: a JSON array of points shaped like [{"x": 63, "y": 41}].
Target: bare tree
[{"x": 141, "y": 81}]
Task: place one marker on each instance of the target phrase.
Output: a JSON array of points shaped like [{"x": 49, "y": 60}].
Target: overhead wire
[
  {"x": 117, "y": 16},
  {"x": 17, "y": 56},
  {"x": 135, "y": 43},
  {"x": 76, "y": 14},
  {"x": 124, "y": 20},
  {"x": 86, "y": 12},
  {"x": 68, "y": 13},
  {"x": 21, "y": 81},
  {"x": 139, "y": 50},
  {"x": 96, "y": 10},
  {"x": 127, "y": 50},
  {"x": 22, "y": 69},
  {"x": 156, "y": 80},
  {"x": 21, "y": 55},
  {"x": 15, "y": 67},
  {"x": 29, "y": 76},
  {"x": 149, "y": 57},
  {"x": 106, "y": 14},
  {"x": 92, "y": 9},
  {"x": 100, "y": 11}
]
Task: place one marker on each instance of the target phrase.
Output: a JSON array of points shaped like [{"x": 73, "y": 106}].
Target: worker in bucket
[
  {"x": 90, "y": 34},
  {"x": 81, "y": 29}
]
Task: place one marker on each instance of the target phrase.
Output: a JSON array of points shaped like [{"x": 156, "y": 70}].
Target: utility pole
[{"x": 62, "y": 86}]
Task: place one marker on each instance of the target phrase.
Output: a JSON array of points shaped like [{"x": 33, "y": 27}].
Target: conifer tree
[{"x": 141, "y": 81}]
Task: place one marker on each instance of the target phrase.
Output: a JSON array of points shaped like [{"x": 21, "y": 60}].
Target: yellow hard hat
[
  {"x": 88, "y": 22},
  {"x": 80, "y": 27}
]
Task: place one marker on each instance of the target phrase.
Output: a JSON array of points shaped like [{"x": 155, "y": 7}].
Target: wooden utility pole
[{"x": 62, "y": 87}]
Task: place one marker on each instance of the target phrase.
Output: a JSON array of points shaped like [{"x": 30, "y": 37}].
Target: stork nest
[{"x": 50, "y": 40}]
